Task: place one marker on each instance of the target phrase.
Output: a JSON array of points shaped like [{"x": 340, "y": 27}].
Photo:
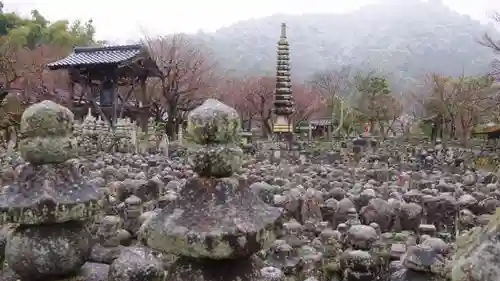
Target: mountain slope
[{"x": 404, "y": 39}]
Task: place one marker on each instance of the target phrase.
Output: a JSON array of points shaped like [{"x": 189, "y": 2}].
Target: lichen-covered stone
[
  {"x": 212, "y": 218},
  {"x": 270, "y": 273},
  {"x": 216, "y": 222},
  {"x": 136, "y": 264},
  {"x": 215, "y": 160},
  {"x": 357, "y": 260},
  {"x": 42, "y": 150},
  {"x": 214, "y": 123},
  {"x": 476, "y": 256},
  {"x": 106, "y": 255},
  {"x": 48, "y": 251},
  {"x": 90, "y": 272},
  {"x": 50, "y": 188},
  {"x": 4, "y": 232},
  {"x": 50, "y": 202},
  {"x": 47, "y": 133},
  {"x": 423, "y": 258},
  {"x": 46, "y": 119},
  {"x": 49, "y": 193}
]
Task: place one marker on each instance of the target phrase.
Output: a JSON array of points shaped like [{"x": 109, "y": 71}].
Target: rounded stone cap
[
  {"x": 214, "y": 122},
  {"x": 46, "y": 133},
  {"x": 46, "y": 119}
]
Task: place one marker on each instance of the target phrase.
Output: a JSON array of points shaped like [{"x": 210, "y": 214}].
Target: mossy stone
[
  {"x": 46, "y": 119},
  {"x": 213, "y": 122},
  {"x": 46, "y": 134},
  {"x": 215, "y": 160}
]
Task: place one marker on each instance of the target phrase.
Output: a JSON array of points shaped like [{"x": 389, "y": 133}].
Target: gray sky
[{"x": 121, "y": 20}]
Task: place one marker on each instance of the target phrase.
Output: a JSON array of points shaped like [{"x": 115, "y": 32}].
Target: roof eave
[
  {"x": 66, "y": 66},
  {"x": 53, "y": 66}
]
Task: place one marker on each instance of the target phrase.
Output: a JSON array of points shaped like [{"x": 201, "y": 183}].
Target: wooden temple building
[
  {"x": 489, "y": 131},
  {"x": 317, "y": 128},
  {"x": 100, "y": 71}
]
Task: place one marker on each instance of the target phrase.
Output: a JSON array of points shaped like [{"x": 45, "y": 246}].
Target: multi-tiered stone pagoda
[{"x": 283, "y": 104}]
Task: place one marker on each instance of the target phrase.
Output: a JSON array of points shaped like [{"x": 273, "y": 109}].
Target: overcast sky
[{"x": 121, "y": 20}]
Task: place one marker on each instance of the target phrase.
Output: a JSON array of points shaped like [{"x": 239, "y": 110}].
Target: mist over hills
[{"x": 403, "y": 39}]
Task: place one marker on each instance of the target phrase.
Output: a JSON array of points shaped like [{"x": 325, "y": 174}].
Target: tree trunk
[
  {"x": 249, "y": 125},
  {"x": 434, "y": 132},
  {"x": 142, "y": 119},
  {"x": 372, "y": 126},
  {"x": 170, "y": 127},
  {"x": 382, "y": 130},
  {"x": 466, "y": 137},
  {"x": 341, "y": 121},
  {"x": 267, "y": 128}
]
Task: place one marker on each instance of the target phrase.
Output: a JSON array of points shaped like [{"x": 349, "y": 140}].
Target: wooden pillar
[
  {"x": 144, "y": 112},
  {"x": 310, "y": 133},
  {"x": 114, "y": 105},
  {"x": 108, "y": 87},
  {"x": 74, "y": 78}
]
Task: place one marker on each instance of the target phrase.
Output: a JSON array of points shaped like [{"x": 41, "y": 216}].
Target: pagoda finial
[{"x": 283, "y": 30}]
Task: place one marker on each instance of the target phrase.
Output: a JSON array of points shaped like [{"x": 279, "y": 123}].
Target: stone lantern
[
  {"x": 51, "y": 203},
  {"x": 216, "y": 224}
]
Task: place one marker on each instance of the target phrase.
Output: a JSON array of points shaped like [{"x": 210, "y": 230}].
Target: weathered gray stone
[
  {"x": 47, "y": 251},
  {"x": 137, "y": 264},
  {"x": 46, "y": 133},
  {"x": 50, "y": 202},
  {"x": 215, "y": 216},
  {"x": 476, "y": 257}
]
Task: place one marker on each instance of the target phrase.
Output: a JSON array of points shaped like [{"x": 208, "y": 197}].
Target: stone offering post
[
  {"x": 50, "y": 202},
  {"x": 216, "y": 225}
]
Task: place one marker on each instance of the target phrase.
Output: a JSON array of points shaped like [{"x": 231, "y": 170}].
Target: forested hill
[{"x": 404, "y": 39}]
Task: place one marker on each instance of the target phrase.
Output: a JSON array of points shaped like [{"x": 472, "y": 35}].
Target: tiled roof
[
  {"x": 490, "y": 128},
  {"x": 82, "y": 56}
]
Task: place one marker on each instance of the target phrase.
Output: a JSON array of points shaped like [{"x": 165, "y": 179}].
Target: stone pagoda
[
  {"x": 283, "y": 103},
  {"x": 217, "y": 223},
  {"x": 50, "y": 204}
]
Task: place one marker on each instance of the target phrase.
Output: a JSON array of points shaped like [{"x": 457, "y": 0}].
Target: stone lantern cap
[
  {"x": 47, "y": 133},
  {"x": 214, "y": 219},
  {"x": 50, "y": 188},
  {"x": 214, "y": 122},
  {"x": 215, "y": 216}
]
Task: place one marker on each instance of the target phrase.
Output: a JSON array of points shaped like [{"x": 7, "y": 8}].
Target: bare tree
[
  {"x": 488, "y": 40},
  {"x": 257, "y": 93},
  {"x": 494, "y": 44},
  {"x": 458, "y": 103},
  {"x": 24, "y": 79},
  {"x": 338, "y": 88},
  {"x": 232, "y": 92},
  {"x": 185, "y": 79},
  {"x": 308, "y": 103},
  {"x": 9, "y": 67}
]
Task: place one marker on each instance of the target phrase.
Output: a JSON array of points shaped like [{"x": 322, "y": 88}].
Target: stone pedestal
[
  {"x": 50, "y": 202},
  {"x": 216, "y": 225}
]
